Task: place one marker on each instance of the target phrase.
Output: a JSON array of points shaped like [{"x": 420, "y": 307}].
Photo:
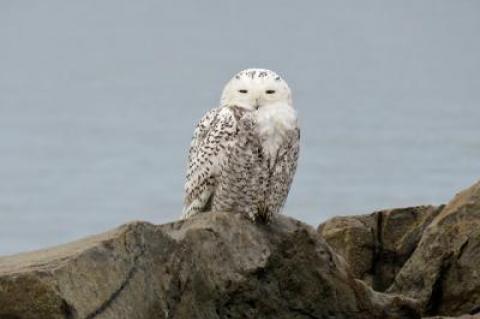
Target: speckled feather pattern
[{"x": 242, "y": 160}]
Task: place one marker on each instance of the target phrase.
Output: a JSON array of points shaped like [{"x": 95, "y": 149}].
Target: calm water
[{"x": 98, "y": 101}]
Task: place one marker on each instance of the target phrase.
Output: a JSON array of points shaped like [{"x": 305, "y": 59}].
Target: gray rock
[
  {"x": 443, "y": 273},
  {"x": 430, "y": 254},
  {"x": 459, "y": 317},
  {"x": 215, "y": 265},
  {"x": 376, "y": 246}
]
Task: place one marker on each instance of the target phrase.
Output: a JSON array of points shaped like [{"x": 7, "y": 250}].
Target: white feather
[
  {"x": 274, "y": 121},
  {"x": 225, "y": 171}
]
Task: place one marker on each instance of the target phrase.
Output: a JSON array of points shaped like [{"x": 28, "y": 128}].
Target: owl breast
[
  {"x": 273, "y": 123},
  {"x": 250, "y": 179}
]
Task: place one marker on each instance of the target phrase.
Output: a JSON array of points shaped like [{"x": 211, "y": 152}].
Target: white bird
[{"x": 244, "y": 154}]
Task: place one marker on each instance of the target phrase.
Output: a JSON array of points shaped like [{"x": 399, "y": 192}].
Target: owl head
[{"x": 256, "y": 88}]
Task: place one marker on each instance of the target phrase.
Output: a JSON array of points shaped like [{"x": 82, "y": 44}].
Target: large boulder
[
  {"x": 443, "y": 273},
  {"x": 430, "y": 254},
  {"x": 376, "y": 246},
  {"x": 215, "y": 265}
]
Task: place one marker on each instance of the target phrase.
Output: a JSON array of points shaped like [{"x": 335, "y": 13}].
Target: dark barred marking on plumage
[
  {"x": 229, "y": 169},
  {"x": 256, "y": 73},
  {"x": 244, "y": 180}
]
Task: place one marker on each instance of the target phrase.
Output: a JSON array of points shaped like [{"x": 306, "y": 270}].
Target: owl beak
[{"x": 257, "y": 105}]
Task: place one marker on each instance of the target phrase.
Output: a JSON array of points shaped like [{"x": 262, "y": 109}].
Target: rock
[
  {"x": 214, "y": 265},
  {"x": 460, "y": 317},
  {"x": 443, "y": 273},
  {"x": 377, "y": 245},
  {"x": 220, "y": 265},
  {"x": 430, "y": 254},
  {"x": 353, "y": 238},
  {"x": 80, "y": 280}
]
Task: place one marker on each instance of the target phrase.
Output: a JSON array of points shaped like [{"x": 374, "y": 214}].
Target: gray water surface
[{"x": 98, "y": 101}]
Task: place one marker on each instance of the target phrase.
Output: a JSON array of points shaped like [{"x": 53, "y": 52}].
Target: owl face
[{"x": 255, "y": 88}]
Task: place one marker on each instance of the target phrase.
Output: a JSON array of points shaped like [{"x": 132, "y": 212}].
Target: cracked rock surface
[
  {"x": 444, "y": 271},
  {"x": 215, "y": 265},
  {"x": 376, "y": 246},
  {"x": 430, "y": 254}
]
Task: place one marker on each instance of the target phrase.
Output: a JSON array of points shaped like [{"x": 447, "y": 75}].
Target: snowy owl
[{"x": 244, "y": 153}]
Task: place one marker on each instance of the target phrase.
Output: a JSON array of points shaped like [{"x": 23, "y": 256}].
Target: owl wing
[
  {"x": 284, "y": 170},
  {"x": 208, "y": 150}
]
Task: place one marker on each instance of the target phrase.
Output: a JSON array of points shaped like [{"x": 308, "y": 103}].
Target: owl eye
[
  {"x": 270, "y": 91},
  {"x": 243, "y": 91}
]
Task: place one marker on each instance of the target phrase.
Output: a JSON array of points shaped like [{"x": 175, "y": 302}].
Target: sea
[{"x": 98, "y": 102}]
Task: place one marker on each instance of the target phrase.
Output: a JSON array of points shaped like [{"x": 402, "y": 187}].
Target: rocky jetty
[{"x": 400, "y": 263}]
